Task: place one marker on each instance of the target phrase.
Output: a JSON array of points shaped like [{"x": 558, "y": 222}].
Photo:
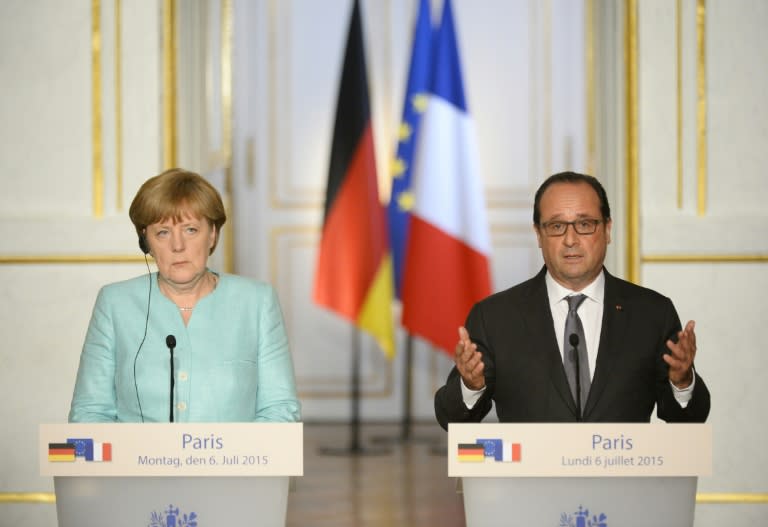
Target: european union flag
[
  {"x": 493, "y": 448},
  {"x": 83, "y": 448},
  {"x": 401, "y": 199}
]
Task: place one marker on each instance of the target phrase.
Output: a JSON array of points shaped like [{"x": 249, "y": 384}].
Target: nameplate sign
[
  {"x": 579, "y": 450},
  {"x": 171, "y": 449}
]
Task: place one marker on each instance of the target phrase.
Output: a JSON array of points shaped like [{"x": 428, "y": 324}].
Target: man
[{"x": 617, "y": 353}]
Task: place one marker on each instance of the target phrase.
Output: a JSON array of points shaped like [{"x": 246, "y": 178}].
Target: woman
[{"x": 224, "y": 333}]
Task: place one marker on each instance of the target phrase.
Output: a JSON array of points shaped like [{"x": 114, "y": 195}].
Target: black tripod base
[
  {"x": 439, "y": 450},
  {"x": 353, "y": 450},
  {"x": 405, "y": 439}
]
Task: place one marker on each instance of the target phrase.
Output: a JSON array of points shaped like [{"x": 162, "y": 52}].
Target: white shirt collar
[{"x": 595, "y": 291}]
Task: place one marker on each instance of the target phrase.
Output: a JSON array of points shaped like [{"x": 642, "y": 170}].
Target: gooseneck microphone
[
  {"x": 573, "y": 339},
  {"x": 170, "y": 341}
]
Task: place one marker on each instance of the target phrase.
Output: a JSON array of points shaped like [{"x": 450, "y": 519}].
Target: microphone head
[
  {"x": 573, "y": 338},
  {"x": 170, "y": 341}
]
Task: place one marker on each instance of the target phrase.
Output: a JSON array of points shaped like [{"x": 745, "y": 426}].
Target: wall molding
[
  {"x": 704, "y": 258},
  {"x": 38, "y": 259},
  {"x": 702, "y": 498}
]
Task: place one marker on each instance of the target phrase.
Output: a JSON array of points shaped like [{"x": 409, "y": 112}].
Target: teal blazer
[{"x": 231, "y": 362}]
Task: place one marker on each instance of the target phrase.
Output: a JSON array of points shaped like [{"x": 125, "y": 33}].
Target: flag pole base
[
  {"x": 439, "y": 450},
  {"x": 353, "y": 450},
  {"x": 404, "y": 440}
]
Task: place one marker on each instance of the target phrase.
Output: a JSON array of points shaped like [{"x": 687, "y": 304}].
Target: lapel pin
[{"x": 618, "y": 307}]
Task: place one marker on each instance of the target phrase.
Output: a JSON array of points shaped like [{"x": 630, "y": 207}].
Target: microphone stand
[
  {"x": 170, "y": 341},
  {"x": 574, "y": 341},
  {"x": 172, "y": 382}
]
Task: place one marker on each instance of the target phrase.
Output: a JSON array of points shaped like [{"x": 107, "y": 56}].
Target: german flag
[
  {"x": 354, "y": 271},
  {"x": 61, "y": 452},
  {"x": 471, "y": 452}
]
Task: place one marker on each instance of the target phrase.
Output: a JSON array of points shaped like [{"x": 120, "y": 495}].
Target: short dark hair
[{"x": 572, "y": 177}]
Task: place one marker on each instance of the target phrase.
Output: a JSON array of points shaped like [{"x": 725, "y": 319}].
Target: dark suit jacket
[{"x": 524, "y": 372}]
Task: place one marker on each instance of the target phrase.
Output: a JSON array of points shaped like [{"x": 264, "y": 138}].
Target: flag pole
[
  {"x": 354, "y": 226},
  {"x": 400, "y": 202},
  {"x": 354, "y": 443},
  {"x": 406, "y": 420},
  {"x": 445, "y": 179},
  {"x": 355, "y": 447},
  {"x": 405, "y": 433}
]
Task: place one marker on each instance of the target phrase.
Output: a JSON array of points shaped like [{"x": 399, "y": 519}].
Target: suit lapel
[
  {"x": 542, "y": 334},
  {"x": 615, "y": 320}
]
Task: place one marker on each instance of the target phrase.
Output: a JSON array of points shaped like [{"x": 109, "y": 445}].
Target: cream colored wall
[
  {"x": 525, "y": 73},
  {"x": 701, "y": 158},
  {"x": 66, "y": 184}
]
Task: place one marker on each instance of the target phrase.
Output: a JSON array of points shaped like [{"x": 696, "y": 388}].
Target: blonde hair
[{"x": 174, "y": 194}]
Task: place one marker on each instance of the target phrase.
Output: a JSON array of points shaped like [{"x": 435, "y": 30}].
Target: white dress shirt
[{"x": 590, "y": 312}]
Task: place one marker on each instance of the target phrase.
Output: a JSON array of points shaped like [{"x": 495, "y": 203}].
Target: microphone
[
  {"x": 170, "y": 341},
  {"x": 573, "y": 339}
]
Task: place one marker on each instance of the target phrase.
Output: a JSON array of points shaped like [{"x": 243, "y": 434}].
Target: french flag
[
  {"x": 447, "y": 257},
  {"x": 102, "y": 452}
]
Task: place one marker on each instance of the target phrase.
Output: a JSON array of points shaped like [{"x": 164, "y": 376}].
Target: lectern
[
  {"x": 171, "y": 475},
  {"x": 579, "y": 475}
]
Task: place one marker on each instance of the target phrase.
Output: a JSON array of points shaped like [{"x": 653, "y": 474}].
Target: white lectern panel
[
  {"x": 579, "y": 475},
  {"x": 180, "y": 475}
]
